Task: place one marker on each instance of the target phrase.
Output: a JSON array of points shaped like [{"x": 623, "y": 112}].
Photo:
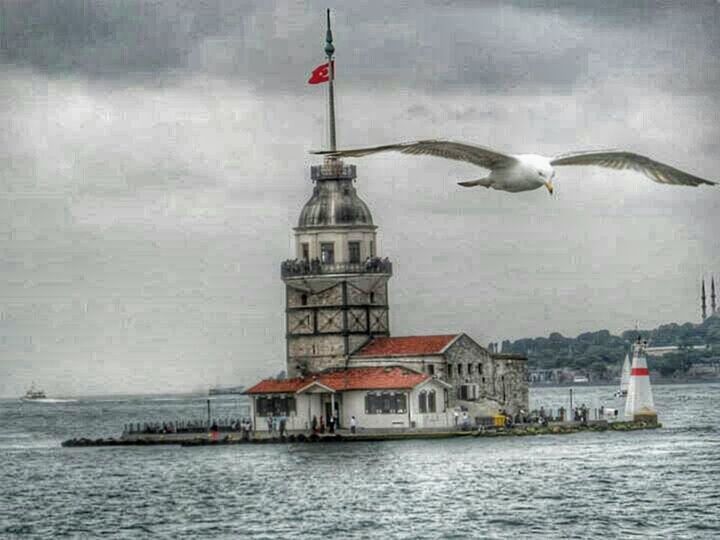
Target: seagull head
[
  {"x": 538, "y": 171},
  {"x": 546, "y": 176}
]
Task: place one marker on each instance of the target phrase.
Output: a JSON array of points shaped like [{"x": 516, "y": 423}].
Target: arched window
[
  {"x": 431, "y": 402},
  {"x": 423, "y": 402},
  {"x": 372, "y": 297},
  {"x": 303, "y": 299}
]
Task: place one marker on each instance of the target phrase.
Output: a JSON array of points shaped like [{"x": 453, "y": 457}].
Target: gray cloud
[{"x": 153, "y": 160}]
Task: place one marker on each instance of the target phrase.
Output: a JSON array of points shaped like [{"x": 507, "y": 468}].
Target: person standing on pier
[{"x": 353, "y": 424}]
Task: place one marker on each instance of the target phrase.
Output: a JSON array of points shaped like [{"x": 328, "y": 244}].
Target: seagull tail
[{"x": 485, "y": 182}]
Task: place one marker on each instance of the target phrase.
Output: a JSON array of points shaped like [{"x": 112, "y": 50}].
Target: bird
[{"x": 526, "y": 172}]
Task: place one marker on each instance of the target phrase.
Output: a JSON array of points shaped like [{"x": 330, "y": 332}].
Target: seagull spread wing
[
  {"x": 477, "y": 155},
  {"x": 618, "y": 159}
]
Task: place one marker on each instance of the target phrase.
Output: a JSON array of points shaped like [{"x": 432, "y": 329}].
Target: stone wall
[{"x": 496, "y": 378}]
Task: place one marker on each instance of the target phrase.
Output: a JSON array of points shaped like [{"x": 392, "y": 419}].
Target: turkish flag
[{"x": 321, "y": 74}]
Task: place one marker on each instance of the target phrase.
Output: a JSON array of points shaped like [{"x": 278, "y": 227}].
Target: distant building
[{"x": 667, "y": 349}]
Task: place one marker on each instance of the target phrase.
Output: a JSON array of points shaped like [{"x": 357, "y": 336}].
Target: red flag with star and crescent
[{"x": 321, "y": 74}]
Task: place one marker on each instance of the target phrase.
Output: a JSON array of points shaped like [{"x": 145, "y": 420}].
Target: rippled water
[{"x": 663, "y": 483}]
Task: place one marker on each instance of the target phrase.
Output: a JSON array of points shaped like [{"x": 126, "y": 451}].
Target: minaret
[
  {"x": 713, "y": 306},
  {"x": 703, "y": 304},
  {"x": 336, "y": 286}
]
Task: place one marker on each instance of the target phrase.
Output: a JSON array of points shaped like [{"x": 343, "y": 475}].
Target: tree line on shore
[{"x": 601, "y": 353}]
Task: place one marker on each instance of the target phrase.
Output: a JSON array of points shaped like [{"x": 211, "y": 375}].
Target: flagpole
[{"x": 329, "y": 51}]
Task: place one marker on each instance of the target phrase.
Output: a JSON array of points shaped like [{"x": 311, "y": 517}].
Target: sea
[{"x": 661, "y": 483}]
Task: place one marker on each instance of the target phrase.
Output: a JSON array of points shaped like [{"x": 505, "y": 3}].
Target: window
[
  {"x": 327, "y": 253},
  {"x": 459, "y": 369},
  {"x": 372, "y": 248},
  {"x": 431, "y": 401},
  {"x": 303, "y": 299},
  {"x": 305, "y": 251},
  {"x": 385, "y": 403},
  {"x": 450, "y": 372},
  {"x": 422, "y": 402},
  {"x": 431, "y": 369},
  {"x": 479, "y": 368},
  {"x": 354, "y": 252},
  {"x": 372, "y": 297},
  {"x": 446, "y": 399},
  {"x": 470, "y": 368},
  {"x": 467, "y": 392},
  {"x": 274, "y": 405}
]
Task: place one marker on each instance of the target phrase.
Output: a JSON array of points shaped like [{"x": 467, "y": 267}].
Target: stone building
[
  {"x": 337, "y": 329},
  {"x": 336, "y": 286},
  {"x": 341, "y": 359}
]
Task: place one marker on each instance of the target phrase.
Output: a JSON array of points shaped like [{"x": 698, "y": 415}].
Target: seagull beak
[{"x": 549, "y": 186}]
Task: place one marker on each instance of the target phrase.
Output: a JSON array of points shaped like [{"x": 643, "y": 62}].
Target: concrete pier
[{"x": 194, "y": 439}]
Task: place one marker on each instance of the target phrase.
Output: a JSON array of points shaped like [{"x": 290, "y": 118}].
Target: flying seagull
[{"x": 525, "y": 172}]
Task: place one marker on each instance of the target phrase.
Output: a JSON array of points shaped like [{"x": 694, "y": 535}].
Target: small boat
[
  {"x": 580, "y": 379},
  {"x": 624, "y": 378},
  {"x": 33, "y": 393}
]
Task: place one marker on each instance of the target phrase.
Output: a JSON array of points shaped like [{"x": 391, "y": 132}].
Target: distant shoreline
[{"x": 656, "y": 382}]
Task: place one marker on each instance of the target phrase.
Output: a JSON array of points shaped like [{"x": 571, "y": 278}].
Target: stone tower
[
  {"x": 703, "y": 305},
  {"x": 336, "y": 286}
]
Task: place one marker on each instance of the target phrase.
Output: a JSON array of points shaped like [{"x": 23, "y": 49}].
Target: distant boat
[
  {"x": 624, "y": 378},
  {"x": 223, "y": 390},
  {"x": 33, "y": 393},
  {"x": 579, "y": 379}
]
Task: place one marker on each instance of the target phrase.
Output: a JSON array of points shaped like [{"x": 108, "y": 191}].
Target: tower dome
[{"x": 334, "y": 202}]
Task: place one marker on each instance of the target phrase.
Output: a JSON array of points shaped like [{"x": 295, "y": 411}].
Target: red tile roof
[
  {"x": 406, "y": 346},
  {"x": 362, "y": 378}
]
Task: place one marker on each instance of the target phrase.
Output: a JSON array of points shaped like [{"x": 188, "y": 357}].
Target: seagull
[{"x": 525, "y": 172}]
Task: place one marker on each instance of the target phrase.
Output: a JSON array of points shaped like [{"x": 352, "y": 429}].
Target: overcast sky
[{"x": 154, "y": 158}]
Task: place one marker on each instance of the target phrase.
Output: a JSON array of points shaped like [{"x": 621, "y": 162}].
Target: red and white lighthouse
[{"x": 639, "y": 405}]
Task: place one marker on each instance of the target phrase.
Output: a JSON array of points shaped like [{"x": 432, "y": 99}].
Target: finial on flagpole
[
  {"x": 329, "y": 47},
  {"x": 330, "y": 51}
]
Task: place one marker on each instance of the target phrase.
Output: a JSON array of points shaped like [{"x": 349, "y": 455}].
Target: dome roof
[{"x": 335, "y": 203}]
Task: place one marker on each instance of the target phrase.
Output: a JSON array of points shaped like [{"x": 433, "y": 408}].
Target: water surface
[{"x": 661, "y": 484}]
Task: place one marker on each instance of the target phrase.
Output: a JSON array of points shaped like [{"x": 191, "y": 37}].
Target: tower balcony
[
  {"x": 299, "y": 268},
  {"x": 333, "y": 170}
]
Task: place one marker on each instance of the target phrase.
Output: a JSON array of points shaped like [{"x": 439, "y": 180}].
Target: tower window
[
  {"x": 327, "y": 253},
  {"x": 305, "y": 251},
  {"x": 354, "y": 252}
]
